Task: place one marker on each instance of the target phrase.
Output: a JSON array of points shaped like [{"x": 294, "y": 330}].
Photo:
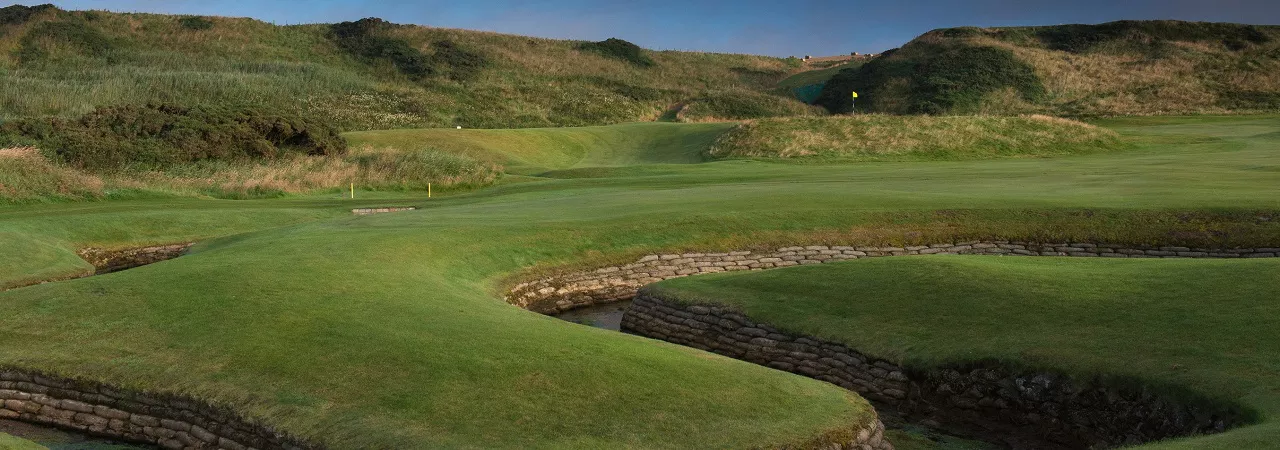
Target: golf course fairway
[{"x": 389, "y": 331}]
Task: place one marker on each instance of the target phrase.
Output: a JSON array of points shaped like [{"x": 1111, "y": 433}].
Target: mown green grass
[
  {"x": 1206, "y": 325},
  {"x": 389, "y": 331},
  {"x": 8, "y": 442}
]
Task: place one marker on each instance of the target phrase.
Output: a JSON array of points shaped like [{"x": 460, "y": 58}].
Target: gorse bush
[
  {"x": 619, "y": 49},
  {"x": 932, "y": 78},
  {"x": 16, "y": 14},
  {"x": 366, "y": 39},
  {"x": 458, "y": 63},
  {"x": 50, "y": 39},
  {"x": 157, "y": 136},
  {"x": 195, "y": 23},
  {"x": 369, "y": 39}
]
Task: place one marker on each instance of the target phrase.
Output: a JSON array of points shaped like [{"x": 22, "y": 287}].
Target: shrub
[
  {"x": 195, "y": 23},
  {"x": 365, "y": 38},
  {"x": 156, "y": 136},
  {"x": 17, "y": 14},
  {"x": 619, "y": 49},
  {"x": 941, "y": 78},
  {"x": 368, "y": 39},
  {"x": 38, "y": 44},
  {"x": 742, "y": 104},
  {"x": 458, "y": 62}
]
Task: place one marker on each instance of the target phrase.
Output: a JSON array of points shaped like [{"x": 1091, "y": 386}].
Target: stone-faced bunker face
[
  {"x": 107, "y": 261},
  {"x": 169, "y": 421},
  {"x": 991, "y": 402}
]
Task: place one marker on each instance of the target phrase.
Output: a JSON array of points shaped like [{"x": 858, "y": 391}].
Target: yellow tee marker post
[
  {"x": 428, "y": 190},
  {"x": 854, "y": 108},
  {"x": 353, "y": 190}
]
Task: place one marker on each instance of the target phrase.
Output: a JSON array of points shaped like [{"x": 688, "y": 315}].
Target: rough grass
[
  {"x": 27, "y": 176},
  {"x": 1206, "y": 325},
  {"x": 527, "y": 82},
  {"x": 534, "y": 151},
  {"x": 883, "y": 137},
  {"x": 817, "y": 76},
  {"x": 1122, "y": 68},
  {"x": 388, "y": 331}
]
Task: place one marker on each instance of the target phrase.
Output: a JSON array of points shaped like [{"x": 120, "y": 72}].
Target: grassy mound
[
  {"x": 361, "y": 75},
  {"x": 27, "y": 176},
  {"x": 884, "y": 137},
  {"x": 158, "y": 136},
  {"x": 1167, "y": 322},
  {"x": 532, "y": 151},
  {"x": 817, "y": 76},
  {"x": 1119, "y": 68},
  {"x": 389, "y": 331},
  {"x": 619, "y": 49}
]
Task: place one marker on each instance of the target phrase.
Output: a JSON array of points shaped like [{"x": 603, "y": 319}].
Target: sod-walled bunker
[
  {"x": 169, "y": 421},
  {"x": 983, "y": 399},
  {"x": 1041, "y": 409}
]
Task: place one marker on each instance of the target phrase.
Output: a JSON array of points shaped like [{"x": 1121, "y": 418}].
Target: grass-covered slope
[
  {"x": 885, "y": 137},
  {"x": 360, "y": 75},
  {"x": 388, "y": 331},
  {"x": 1209, "y": 326},
  {"x": 539, "y": 150},
  {"x": 450, "y": 160},
  {"x": 1118, "y": 68}
]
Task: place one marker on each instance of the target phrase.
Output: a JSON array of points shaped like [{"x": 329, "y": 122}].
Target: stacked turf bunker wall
[
  {"x": 555, "y": 294},
  {"x": 169, "y": 421},
  {"x": 1022, "y": 408},
  {"x": 1028, "y": 409},
  {"x": 107, "y": 261}
]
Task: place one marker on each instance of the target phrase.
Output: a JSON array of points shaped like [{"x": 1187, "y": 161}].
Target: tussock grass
[
  {"x": 884, "y": 137},
  {"x": 369, "y": 169},
  {"x": 235, "y": 62},
  {"x": 1120, "y": 68},
  {"x": 27, "y": 176}
]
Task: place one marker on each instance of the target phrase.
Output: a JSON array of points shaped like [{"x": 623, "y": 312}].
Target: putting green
[{"x": 389, "y": 331}]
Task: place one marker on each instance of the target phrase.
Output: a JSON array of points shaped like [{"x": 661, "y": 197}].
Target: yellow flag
[{"x": 855, "y": 95}]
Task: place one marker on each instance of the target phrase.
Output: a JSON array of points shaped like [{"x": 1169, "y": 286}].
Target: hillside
[
  {"x": 367, "y": 74},
  {"x": 880, "y": 137},
  {"x": 1118, "y": 68}
]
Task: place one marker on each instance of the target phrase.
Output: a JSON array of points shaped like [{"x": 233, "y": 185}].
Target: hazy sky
[{"x": 779, "y": 28}]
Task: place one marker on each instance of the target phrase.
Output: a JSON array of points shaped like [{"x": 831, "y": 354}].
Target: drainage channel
[{"x": 58, "y": 439}]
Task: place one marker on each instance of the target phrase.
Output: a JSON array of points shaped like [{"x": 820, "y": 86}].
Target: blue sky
[{"x": 779, "y": 28}]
